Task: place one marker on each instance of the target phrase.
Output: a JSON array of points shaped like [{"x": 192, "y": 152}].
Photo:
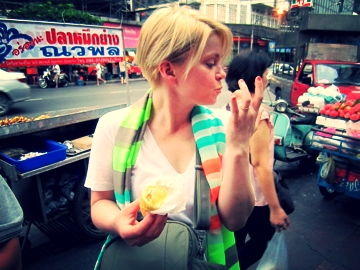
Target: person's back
[
  {"x": 122, "y": 66},
  {"x": 251, "y": 240},
  {"x": 99, "y": 68}
]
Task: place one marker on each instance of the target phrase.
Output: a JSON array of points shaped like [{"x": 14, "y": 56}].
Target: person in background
[
  {"x": 267, "y": 214},
  {"x": 98, "y": 74},
  {"x": 56, "y": 71},
  {"x": 11, "y": 219},
  {"x": 128, "y": 58},
  {"x": 181, "y": 54},
  {"x": 124, "y": 67}
]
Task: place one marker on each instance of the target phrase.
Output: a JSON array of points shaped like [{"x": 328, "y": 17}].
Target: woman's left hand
[
  {"x": 279, "y": 219},
  {"x": 244, "y": 110}
]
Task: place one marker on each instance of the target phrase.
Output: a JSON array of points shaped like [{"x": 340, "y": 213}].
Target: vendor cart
[
  {"x": 51, "y": 185},
  {"x": 339, "y": 159}
]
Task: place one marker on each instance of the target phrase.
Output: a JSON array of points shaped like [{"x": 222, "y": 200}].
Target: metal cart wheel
[
  {"x": 328, "y": 193},
  {"x": 81, "y": 212},
  {"x": 307, "y": 164}
]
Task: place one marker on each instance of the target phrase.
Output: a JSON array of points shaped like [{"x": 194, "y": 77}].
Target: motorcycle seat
[{"x": 308, "y": 119}]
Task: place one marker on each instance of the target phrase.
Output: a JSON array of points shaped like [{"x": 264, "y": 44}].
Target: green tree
[{"x": 54, "y": 13}]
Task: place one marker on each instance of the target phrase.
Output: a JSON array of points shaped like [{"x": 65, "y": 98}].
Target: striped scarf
[{"x": 210, "y": 140}]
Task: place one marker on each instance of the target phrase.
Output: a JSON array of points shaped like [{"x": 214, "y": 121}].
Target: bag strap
[{"x": 201, "y": 197}]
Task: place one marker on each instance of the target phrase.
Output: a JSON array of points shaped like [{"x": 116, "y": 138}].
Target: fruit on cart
[
  {"x": 348, "y": 109},
  {"x": 354, "y": 117},
  {"x": 334, "y": 114}
]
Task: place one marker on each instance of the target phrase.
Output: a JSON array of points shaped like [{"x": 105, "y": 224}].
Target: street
[
  {"x": 54, "y": 101},
  {"x": 324, "y": 234}
]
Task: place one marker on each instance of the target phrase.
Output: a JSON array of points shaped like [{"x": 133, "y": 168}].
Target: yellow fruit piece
[{"x": 152, "y": 197}]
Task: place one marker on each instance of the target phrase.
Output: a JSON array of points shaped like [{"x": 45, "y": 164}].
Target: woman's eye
[{"x": 210, "y": 65}]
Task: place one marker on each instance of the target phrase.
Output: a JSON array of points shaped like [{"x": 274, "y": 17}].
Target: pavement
[
  {"x": 323, "y": 235},
  {"x": 93, "y": 82}
]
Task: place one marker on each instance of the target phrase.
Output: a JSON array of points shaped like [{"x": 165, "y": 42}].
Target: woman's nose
[{"x": 221, "y": 74}]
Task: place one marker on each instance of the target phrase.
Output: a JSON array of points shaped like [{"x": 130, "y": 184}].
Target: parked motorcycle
[
  {"x": 47, "y": 79},
  {"x": 292, "y": 134}
]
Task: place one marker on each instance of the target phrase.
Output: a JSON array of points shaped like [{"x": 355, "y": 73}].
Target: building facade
[{"x": 332, "y": 22}]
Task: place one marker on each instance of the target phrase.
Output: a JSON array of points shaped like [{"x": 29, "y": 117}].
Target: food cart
[
  {"x": 51, "y": 185},
  {"x": 339, "y": 159}
]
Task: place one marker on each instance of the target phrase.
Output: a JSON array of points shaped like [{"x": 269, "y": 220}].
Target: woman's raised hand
[{"x": 244, "y": 109}]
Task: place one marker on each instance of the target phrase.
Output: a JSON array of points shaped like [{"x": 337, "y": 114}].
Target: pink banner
[{"x": 131, "y": 34}]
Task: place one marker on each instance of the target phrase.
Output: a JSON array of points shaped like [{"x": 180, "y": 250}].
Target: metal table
[{"x": 28, "y": 186}]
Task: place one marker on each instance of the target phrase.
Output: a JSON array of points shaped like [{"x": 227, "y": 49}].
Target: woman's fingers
[
  {"x": 244, "y": 95},
  {"x": 233, "y": 104},
  {"x": 157, "y": 224},
  {"x": 259, "y": 93}
]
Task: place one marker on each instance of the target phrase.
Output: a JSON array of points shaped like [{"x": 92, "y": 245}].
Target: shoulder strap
[{"x": 201, "y": 197}]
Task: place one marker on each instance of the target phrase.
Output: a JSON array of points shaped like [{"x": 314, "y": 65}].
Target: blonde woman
[{"x": 181, "y": 53}]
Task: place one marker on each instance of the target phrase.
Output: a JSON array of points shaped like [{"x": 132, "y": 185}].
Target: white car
[
  {"x": 13, "y": 88},
  {"x": 286, "y": 69}
]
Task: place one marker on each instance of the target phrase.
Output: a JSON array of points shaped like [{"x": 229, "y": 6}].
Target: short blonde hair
[{"x": 174, "y": 34}]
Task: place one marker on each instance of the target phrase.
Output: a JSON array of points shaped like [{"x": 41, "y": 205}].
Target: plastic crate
[
  {"x": 55, "y": 152},
  {"x": 79, "y": 82}
]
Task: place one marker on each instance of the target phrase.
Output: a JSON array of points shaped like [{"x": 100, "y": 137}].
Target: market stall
[
  {"x": 50, "y": 183},
  {"x": 338, "y": 140}
]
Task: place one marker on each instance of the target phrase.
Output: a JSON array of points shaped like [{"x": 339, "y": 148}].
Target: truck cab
[{"x": 313, "y": 73}]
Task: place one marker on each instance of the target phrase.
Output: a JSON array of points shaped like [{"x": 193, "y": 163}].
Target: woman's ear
[{"x": 166, "y": 70}]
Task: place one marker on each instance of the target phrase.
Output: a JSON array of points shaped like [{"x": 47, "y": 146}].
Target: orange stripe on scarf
[
  {"x": 211, "y": 166},
  {"x": 214, "y": 194}
]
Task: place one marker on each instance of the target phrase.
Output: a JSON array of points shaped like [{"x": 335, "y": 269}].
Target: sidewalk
[{"x": 93, "y": 82}]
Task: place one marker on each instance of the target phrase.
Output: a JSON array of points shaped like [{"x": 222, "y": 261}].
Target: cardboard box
[{"x": 83, "y": 143}]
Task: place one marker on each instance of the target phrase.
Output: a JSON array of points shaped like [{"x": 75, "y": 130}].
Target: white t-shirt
[
  {"x": 98, "y": 69},
  {"x": 150, "y": 162},
  {"x": 56, "y": 69}
]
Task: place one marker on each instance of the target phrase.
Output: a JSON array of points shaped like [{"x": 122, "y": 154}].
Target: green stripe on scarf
[{"x": 210, "y": 140}]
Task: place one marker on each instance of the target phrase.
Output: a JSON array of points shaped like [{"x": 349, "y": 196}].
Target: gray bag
[
  {"x": 11, "y": 217},
  {"x": 179, "y": 247}
]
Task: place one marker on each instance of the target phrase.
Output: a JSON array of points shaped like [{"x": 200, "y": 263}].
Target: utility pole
[
  {"x": 252, "y": 33},
  {"x": 252, "y": 37}
]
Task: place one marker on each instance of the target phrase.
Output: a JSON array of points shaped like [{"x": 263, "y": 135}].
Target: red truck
[
  {"x": 342, "y": 70},
  {"x": 343, "y": 74}
]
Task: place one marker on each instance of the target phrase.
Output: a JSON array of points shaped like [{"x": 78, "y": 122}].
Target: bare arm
[
  {"x": 259, "y": 149},
  {"x": 236, "y": 197}
]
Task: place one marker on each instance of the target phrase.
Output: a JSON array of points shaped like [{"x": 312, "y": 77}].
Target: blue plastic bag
[{"x": 275, "y": 256}]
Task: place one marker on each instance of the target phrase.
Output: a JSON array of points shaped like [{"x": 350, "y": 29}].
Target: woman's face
[{"x": 203, "y": 83}]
